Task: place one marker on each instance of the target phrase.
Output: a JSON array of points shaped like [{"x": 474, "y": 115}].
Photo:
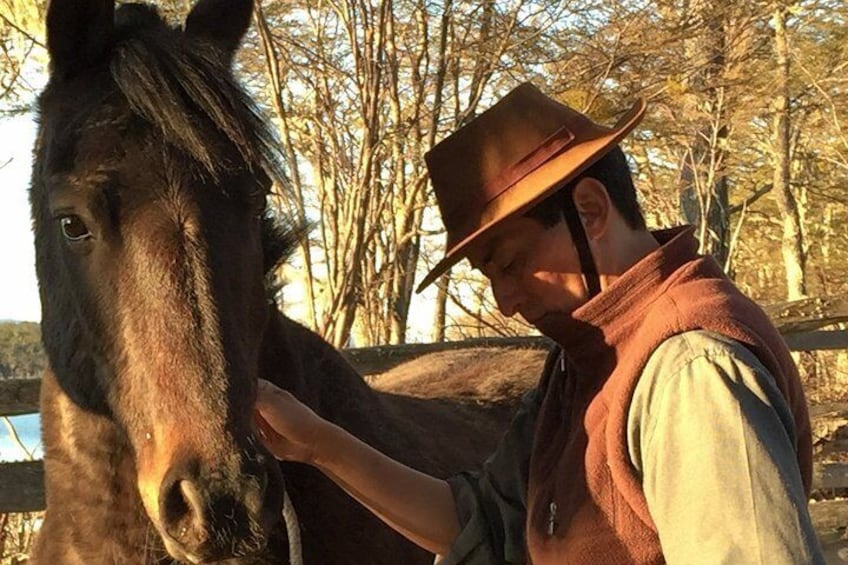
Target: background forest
[{"x": 746, "y": 134}]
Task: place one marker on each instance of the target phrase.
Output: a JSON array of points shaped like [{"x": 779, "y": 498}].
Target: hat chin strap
[{"x": 584, "y": 254}]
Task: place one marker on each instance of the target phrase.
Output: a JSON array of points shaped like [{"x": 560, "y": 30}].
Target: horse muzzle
[{"x": 214, "y": 514}]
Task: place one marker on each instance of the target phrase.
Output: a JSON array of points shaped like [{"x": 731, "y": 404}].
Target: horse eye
[{"x": 74, "y": 229}]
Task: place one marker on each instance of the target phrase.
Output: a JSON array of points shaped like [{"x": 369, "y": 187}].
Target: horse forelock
[
  {"x": 169, "y": 81},
  {"x": 183, "y": 87}
]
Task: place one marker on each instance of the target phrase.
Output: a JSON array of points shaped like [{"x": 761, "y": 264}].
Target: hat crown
[{"x": 473, "y": 165}]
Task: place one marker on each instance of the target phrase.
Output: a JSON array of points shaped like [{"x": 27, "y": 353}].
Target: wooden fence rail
[
  {"x": 22, "y": 486},
  {"x": 809, "y": 313},
  {"x": 20, "y": 396}
]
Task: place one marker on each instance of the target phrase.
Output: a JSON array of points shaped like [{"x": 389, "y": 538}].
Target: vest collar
[{"x": 590, "y": 335}]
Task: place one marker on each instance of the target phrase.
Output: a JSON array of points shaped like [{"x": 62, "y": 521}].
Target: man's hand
[
  {"x": 418, "y": 506},
  {"x": 288, "y": 428}
]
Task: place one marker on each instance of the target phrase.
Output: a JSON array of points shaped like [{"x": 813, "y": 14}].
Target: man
[{"x": 670, "y": 424}]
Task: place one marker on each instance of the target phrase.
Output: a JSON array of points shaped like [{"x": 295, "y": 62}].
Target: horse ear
[
  {"x": 222, "y": 22},
  {"x": 78, "y": 33}
]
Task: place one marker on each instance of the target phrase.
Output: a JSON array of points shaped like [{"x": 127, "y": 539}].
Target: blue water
[{"x": 28, "y": 428}]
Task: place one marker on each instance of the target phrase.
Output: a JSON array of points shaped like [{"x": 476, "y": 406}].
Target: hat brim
[{"x": 537, "y": 185}]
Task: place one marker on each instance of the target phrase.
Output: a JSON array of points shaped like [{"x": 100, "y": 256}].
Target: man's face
[{"x": 533, "y": 270}]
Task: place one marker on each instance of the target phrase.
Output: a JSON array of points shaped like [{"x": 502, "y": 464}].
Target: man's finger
[{"x": 266, "y": 430}]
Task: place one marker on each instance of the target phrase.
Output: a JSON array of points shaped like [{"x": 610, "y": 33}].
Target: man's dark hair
[{"x": 612, "y": 171}]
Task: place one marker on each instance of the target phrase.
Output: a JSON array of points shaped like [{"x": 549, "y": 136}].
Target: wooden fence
[{"x": 21, "y": 483}]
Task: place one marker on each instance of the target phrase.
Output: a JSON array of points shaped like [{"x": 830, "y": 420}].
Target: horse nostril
[
  {"x": 182, "y": 512},
  {"x": 174, "y": 507}
]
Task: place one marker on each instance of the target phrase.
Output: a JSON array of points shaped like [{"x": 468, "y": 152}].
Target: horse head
[{"x": 152, "y": 243}]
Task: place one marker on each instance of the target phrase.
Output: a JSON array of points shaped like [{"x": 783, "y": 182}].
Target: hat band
[{"x": 549, "y": 148}]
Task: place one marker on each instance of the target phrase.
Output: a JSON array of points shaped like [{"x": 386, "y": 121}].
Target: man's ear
[{"x": 594, "y": 206}]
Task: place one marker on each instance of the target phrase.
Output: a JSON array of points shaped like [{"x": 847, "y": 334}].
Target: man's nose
[{"x": 506, "y": 296}]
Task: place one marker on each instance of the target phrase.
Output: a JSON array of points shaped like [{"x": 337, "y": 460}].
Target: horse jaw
[{"x": 90, "y": 487}]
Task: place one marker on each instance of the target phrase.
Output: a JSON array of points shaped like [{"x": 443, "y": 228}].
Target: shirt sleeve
[
  {"x": 714, "y": 442},
  {"x": 491, "y": 503}
]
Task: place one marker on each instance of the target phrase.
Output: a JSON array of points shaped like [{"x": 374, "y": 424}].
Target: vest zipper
[{"x": 552, "y": 512}]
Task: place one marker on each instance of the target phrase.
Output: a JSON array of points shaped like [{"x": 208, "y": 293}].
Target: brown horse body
[{"x": 152, "y": 245}]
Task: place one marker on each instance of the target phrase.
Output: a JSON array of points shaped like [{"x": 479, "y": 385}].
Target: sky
[
  {"x": 18, "y": 287},
  {"x": 27, "y": 428}
]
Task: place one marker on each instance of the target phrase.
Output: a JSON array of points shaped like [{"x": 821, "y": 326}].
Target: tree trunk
[
  {"x": 275, "y": 87},
  {"x": 440, "y": 317},
  {"x": 792, "y": 243},
  {"x": 704, "y": 186}
]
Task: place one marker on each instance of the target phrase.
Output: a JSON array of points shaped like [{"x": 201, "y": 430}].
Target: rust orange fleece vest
[{"x": 580, "y": 458}]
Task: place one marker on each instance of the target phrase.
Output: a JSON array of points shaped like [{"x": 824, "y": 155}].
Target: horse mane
[{"x": 183, "y": 88}]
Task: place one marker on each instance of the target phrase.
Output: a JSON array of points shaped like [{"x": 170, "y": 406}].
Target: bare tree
[
  {"x": 794, "y": 256},
  {"x": 21, "y": 48},
  {"x": 360, "y": 92}
]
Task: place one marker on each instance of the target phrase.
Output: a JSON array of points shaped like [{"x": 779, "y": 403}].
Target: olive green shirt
[{"x": 712, "y": 440}]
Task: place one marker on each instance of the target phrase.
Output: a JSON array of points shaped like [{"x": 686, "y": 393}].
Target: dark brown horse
[{"x": 152, "y": 244}]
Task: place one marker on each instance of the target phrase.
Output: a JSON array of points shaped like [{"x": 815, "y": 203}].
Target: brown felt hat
[{"x": 508, "y": 159}]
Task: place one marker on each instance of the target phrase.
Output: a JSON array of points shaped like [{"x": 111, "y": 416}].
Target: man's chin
[{"x": 551, "y": 324}]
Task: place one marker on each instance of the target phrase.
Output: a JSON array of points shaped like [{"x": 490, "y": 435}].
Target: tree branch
[
  {"x": 759, "y": 193},
  {"x": 22, "y": 32}
]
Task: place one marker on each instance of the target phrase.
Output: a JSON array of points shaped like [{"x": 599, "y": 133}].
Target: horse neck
[
  {"x": 90, "y": 482},
  {"x": 302, "y": 362}
]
